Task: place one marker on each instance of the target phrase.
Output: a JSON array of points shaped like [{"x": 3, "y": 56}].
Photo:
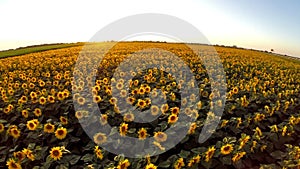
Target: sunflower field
[{"x": 41, "y": 128}]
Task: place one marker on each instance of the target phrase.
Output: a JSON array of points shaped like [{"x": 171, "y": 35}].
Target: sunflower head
[{"x": 56, "y": 153}]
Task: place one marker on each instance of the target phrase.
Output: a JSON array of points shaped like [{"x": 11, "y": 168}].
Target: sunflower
[
  {"x": 97, "y": 99},
  {"x": 48, "y": 128},
  {"x": 1, "y": 127},
  {"x": 19, "y": 155},
  {"x": 81, "y": 100},
  {"x": 154, "y": 110},
  {"x": 160, "y": 136},
  {"x": 243, "y": 141},
  {"x": 78, "y": 114},
  {"x": 56, "y": 153},
  {"x": 63, "y": 120},
  {"x": 150, "y": 166},
  {"x": 164, "y": 108},
  {"x": 128, "y": 117},
  {"x": 179, "y": 163},
  {"x": 98, "y": 152},
  {"x": 51, "y": 99},
  {"x": 235, "y": 90},
  {"x": 61, "y": 133},
  {"x": 130, "y": 100},
  {"x": 12, "y": 164},
  {"x": 123, "y": 164},
  {"x": 119, "y": 86},
  {"x": 194, "y": 160},
  {"x": 113, "y": 101},
  {"x": 25, "y": 113},
  {"x": 42, "y": 100},
  {"x": 192, "y": 128},
  {"x": 28, "y": 154},
  {"x": 100, "y": 138},
  {"x": 14, "y": 131},
  {"x": 31, "y": 125},
  {"x": 142, "y": 133},
  {"x": 238, "y": 156},
  {"x": 172, "y": 119},
  {"x": 141, "y": 103},
  {"x": 224, "y": 123},
  {"x": 103, "y": 119},
  {"x": 226, "y": 149},
  {"x": 209, "y": 153},
  {"x": 37, "y": 112},
  {"x": 60, "y": 96},
  {"x": 123, "y": 129},
  {"x": 123, "y": 93},
  {"x": 175, "y": 110}
]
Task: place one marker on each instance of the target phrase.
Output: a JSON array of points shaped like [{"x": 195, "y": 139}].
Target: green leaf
[
  {"x": 184, "y": 154},
  {"x": 226, "y": 160},
  {"x": 74, "y": 159},
  {"x": 278, "y": 154},
  {"x": 3, "y": 121},
  {"x": 164, "y": 164}
]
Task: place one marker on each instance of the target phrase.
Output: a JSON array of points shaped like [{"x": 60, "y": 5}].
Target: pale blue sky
[{"x": 259, "y": 24}]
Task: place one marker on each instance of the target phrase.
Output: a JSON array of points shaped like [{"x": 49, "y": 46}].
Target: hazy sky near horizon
[{"x": 258, "y": 24}]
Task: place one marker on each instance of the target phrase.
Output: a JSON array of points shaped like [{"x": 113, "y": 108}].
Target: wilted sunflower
[
  {"x": 49, "y": 128},
  {"x": 56, "y": 153},
  {"x": 100, "y": 138},
  {"x": 226, "y": 149},
  {"x": 61, "y": 133},
  {"x": 160, "y": 136}
]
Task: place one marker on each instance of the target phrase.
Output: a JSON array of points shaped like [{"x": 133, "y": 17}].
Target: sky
[{"x": 255, "y": 24}]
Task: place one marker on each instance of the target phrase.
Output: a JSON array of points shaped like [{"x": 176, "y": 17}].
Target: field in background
[{"x": 36, "y": 48}]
